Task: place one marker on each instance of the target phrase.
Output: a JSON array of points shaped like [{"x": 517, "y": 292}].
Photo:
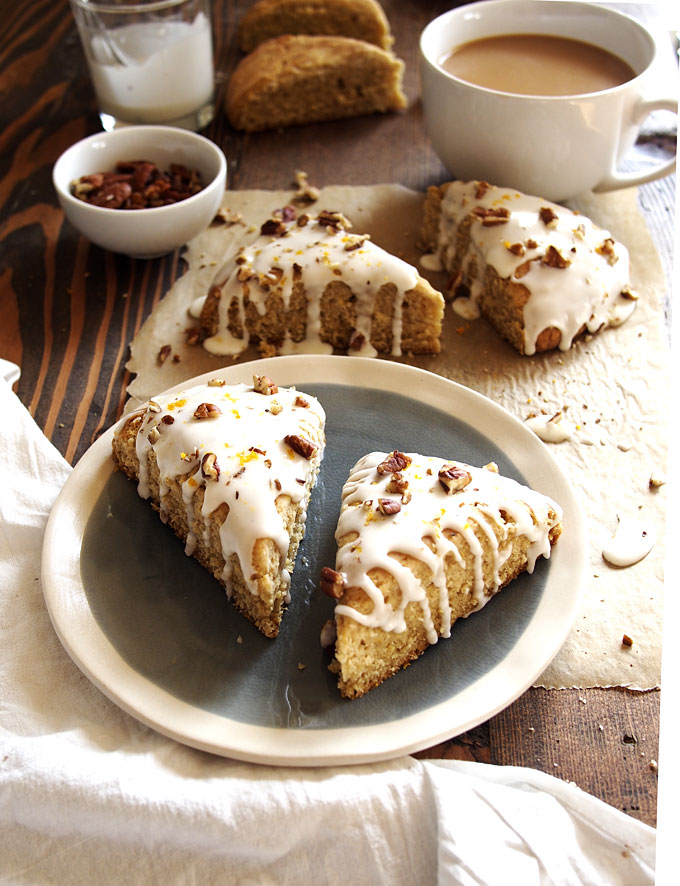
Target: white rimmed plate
[{"x": 154, "y": 632}]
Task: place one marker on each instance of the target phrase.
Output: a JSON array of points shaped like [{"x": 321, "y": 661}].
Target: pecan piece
[
  {"x": 207, "y": 410},
  {"x": 453, "y": 478},
  {"x": 262, "y": 384},
  {"x": 394, "y": 463},
  {"x": 209, "y": 467},
  {"x": 301, "y": 445},
  {"x": 548, "y": 216},
  {"x": 301, "y": 402},
  {"x": 606, "y": 250},
  {"x": 553, "y": 258},
  {"x": 164, "y": 353},
  {"x": 273, "y": 227},
  {"x": 494, "y": 215},
  {"x": 331, "y": 582},
  {"x": 388, "y": 507}
]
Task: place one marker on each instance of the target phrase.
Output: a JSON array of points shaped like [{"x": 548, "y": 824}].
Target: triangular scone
[
  {"x": 306, "y": 284},
  {"x": 540, "y": 273},
  {"x": 421, "y": 542},
  {"x": 230, "y": 468},
  {"x": 361, "y": 19},
  {"x": 296, "y": 78}
]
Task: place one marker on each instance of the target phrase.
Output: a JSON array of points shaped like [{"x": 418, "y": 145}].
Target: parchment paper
[{"x": 613, "y": 387}]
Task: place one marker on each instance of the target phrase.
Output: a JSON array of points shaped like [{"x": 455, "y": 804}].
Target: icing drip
[
  {"x": 631, "y": 543},
  {"x": 252, "y": 465},
  {"x": 527, "y": 246},
  {"x": 317, "y": 255},
  {"x": 498, "y": 507}
]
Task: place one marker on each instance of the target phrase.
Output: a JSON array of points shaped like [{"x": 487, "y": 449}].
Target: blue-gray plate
[{"x": 155, "y": 633}]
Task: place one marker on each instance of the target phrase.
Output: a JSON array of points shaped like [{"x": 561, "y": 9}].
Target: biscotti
[
  {"x": 230, "y": 468},
  {"x": 540, "y": 273},
  {"x": 422, "y": 542},
  {"x": 297, "y": 79},
  {"x": 308, "y": 284},
  {"x": 360, "y": 19}
]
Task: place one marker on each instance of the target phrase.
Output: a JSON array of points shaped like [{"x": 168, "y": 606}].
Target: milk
[{"x": 153, "y": 72}]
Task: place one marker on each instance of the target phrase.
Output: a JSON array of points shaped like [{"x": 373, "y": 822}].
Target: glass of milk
[{"x": 151, "y": 61}]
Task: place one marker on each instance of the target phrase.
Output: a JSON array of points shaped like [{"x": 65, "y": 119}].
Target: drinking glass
[{"x": 151, "y": 61}]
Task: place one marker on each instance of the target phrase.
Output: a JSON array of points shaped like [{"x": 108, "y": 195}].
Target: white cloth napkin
[{"x": 88, "y": 794}]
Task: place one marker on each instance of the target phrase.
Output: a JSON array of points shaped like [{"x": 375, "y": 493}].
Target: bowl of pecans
[{"x": 143, "y": 190}]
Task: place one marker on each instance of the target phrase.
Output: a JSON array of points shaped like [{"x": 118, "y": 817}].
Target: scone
[
  {"x": 540, "y": 273},
  {"x": 230, "y": 468},
  {"x": 421, "y": 542},
  {"x": 297, "y": 79},
  {"x": 309, "y": 284},
  {"x": 361, "y": 19}
]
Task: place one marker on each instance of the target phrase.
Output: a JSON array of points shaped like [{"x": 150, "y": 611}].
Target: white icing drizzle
[
  {"x": 586, "y": 292},
  {"x": 321, "y": 255},
  {"x": 551, "y": 428},
  {"x": 255, "y": 463},
  {"x": 631, "y": 542},
  {"x": 428, "y": 512}
]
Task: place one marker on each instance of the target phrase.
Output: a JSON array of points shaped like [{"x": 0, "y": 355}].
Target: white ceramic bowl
[{"x": 142, "y": 233}]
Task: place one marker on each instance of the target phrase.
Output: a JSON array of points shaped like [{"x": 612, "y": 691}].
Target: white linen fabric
[{"x": 88, "y": 794}]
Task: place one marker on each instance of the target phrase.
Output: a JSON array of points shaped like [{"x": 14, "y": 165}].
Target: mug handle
[{"x": 616, "y": 180}]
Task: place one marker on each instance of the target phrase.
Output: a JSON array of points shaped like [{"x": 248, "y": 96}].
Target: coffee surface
[{"x": 537, "y": 64}]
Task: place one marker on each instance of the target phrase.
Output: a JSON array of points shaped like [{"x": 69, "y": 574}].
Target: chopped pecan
[
  {"x": 168, "y": 420},
  {"x": 516, "y": 248},
  {"x": 629, "y": 294},
  {"x": 207, "y": 410},
  {"x": 194, "y": 336},
  {"x": 273, "y": 227},
  {"x": 262, "y": 384},
  {"x": 331, "y": 582},
  {"x": 394, "y": 463},
  {"x": 301, "y": 402},
  {"x": 154, "y": 435},
  {"x": 553, "y": 258},
  {"x": 305, "y": 193},
  {"x": 482, "y": 188},
  {"x": 301, "y": 445},
  {"x": 164, "y": 353},
  {"x": 209, "y": 467},
  {"x": 333, "y": 221},
  {"x": 355, "y": 241},
  {"x": 606, "y": 249},
  {"x": 493, "y": 215},
  {"x": 388, "y": 506},
  {"x": 453, "y": 478},
  {"x": 216, "y": 382},
  {"x": 397, "y": 483},
  {"x": 548, "y": 216}
]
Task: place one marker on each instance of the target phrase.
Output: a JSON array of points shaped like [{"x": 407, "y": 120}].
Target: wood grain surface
[{"x": 70, "y": 309}]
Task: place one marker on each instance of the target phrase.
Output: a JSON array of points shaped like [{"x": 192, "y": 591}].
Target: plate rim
[{"x": 96, "y": 656}]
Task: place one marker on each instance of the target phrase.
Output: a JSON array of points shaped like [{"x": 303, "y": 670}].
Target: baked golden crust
[
  {"x": 360, "y": 19},
  {"x": 295, "y": 79}
]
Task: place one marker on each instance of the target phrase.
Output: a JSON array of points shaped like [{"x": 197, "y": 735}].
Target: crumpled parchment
[{"x": 612, "y": 388}]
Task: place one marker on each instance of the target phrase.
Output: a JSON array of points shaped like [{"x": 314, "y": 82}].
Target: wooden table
[{"x": 69, "y": 311}]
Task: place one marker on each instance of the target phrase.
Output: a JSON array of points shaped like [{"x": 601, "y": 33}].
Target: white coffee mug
[{"x": 552, "y": 146}]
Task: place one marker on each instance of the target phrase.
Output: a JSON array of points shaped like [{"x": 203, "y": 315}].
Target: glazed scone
[
  {"x": 540, "y": 273},
  {"x": 307, "y": 284},
  {"x": 360, "y": 19},
  {"x": 297, "y": 79},
  {"x": 423, "y": 541},
  {"x": 230, "y": 468}
]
